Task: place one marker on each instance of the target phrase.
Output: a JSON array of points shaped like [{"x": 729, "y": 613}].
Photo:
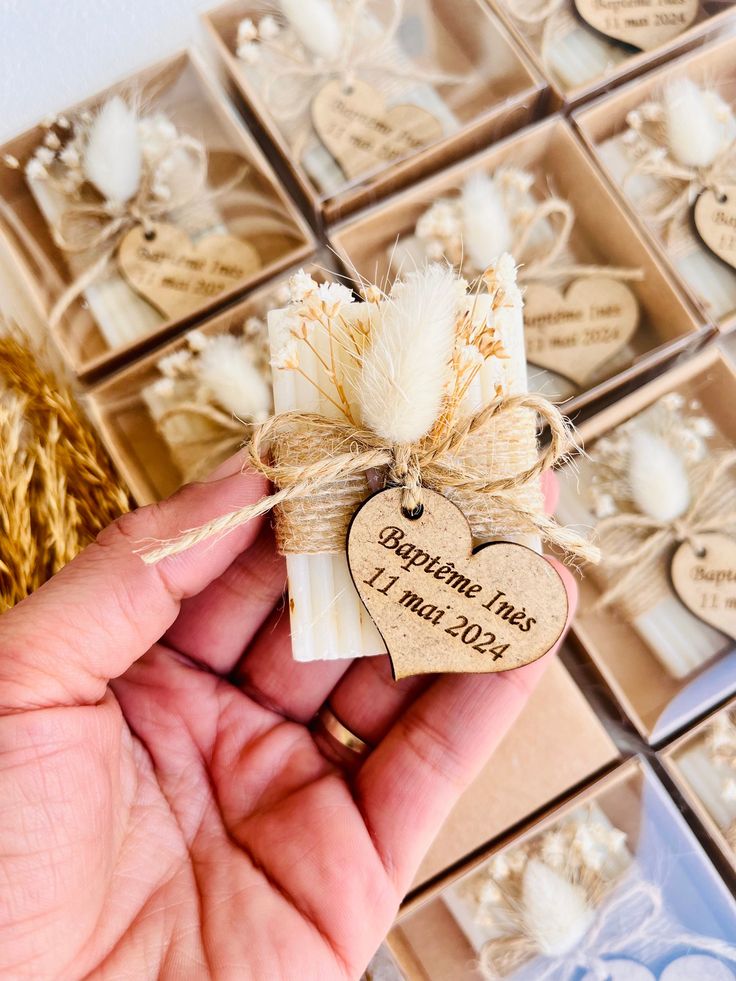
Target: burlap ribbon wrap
[
  {"x": 636, "y": 548},
  {"x": 487, "y": 463}
]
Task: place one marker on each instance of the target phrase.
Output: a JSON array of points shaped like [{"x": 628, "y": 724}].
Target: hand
[{"x": 164, "y": 808}]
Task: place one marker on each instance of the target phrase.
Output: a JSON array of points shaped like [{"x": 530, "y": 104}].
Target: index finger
[{"x": 104, "y": 610}]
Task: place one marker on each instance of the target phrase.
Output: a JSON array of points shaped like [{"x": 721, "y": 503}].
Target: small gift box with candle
[
  {"x": 703, "y": 764},
  {"x": 600, "y": 309},
  {"x": 361, "y": 98},
  {"x": 611, "y": 885},
  {"x": 585, "y": 46},
  {"x": 142, "y": 209},
  {"x": 173, "y": 415},
  {"x": 657, "y": 483},
  {"x": 668, "y": 142}
]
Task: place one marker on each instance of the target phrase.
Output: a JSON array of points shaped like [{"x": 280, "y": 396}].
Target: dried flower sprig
[
  {"x": 541, "y": 897},
  {"x": 57, "y": 485}
]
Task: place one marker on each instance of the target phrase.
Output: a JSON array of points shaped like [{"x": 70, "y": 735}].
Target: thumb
[{"x": 103, "y": 611}]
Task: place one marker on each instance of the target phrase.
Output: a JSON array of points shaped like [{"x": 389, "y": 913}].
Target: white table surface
[{"x": 55, "y": 52}]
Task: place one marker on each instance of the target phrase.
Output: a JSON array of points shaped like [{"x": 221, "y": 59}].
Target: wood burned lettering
[
  {"x": 439, "y": 605},
  {"x": 642, "y": 23},
  {"x": 704, "y": 578}
]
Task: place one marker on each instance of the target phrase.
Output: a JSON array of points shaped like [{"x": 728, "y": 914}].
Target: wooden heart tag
[
  {"x": 361, "y": 133},
  {"x": 576, "y": 334},
  {"x": 705, "y": 581},
  {"x": 643, "y": 23},
  {"x": 439, "y": 605},
  {"x": 177, "y": 276},
  {"x": 715, "y": 220}
]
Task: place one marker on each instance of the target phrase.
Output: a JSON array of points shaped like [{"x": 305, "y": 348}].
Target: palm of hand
[{"x": 181, "y": 820}]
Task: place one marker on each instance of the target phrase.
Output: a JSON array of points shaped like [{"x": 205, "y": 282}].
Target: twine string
[{"x": 319, "y": 467}]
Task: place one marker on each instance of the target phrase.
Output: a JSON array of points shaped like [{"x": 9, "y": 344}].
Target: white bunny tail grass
[
  {"x": 316, "y": 24},
  {"x": 112, "y": 158},
  {"x": 557, "y": 914},
  {"x": 486, "y": 226},
  {"x": 694, "y": 131},
  {"x": 407, "y": 366},
  {"x": 658, "y": 481},
  {"x": 226, "y": 367}
]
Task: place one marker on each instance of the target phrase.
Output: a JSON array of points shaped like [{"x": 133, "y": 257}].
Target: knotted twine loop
[
  {"x": 636, "y": 547},
  {"x": 319, "y": 466},
  {"x": 548, "y": 265},
  {"x": 96, "y": 228}
]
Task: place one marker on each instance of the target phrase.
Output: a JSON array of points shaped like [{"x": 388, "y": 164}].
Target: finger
[
  {"x": 550, "y": 491},
  {"x": 408, "y": 785},
  {"x": 270, "y": 676},
  {"x": 107, "y": 607},
  {"x": 217, "y": 625},
  {"x": 368, "y": 701}
]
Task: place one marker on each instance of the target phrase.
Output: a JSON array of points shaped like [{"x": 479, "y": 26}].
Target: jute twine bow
[
  {"x": 319, "y": 466},
  {"x": 633, "y": 923},
  {"x": 548, "y": 266},
  {"x": 635, "y": 547},
  {"x": 686, "y": 182}
]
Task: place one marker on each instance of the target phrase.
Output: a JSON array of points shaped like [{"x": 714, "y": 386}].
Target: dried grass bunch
[{"x": 57, "y": 485}]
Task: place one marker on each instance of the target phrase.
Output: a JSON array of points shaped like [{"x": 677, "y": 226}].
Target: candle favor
[
  {"x": 573, "y": 52},
  {"x": 676, "y": 161},
  {"x": 156, "y": 207},
  {"x": 586, "y": 46},
  {"x": 579, "y": 317},
  {"x": 362, "y": 97},
  {"x": 657, "y": 490},
  {"x": 611, "y": 885},
  {"x": 418, "y": 395}
]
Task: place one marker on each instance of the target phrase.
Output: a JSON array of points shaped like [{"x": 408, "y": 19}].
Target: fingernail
[{"x": 227, "y": 468}]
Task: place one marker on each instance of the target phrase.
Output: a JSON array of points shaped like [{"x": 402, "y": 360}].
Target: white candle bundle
[
  {"x": 328, "y": 619},
  {"x": 709, "y": 766},
  {"x": 540, "y": 898},
  {"x": 211, "y": 390},
  {"x": 669, "y": 143},
  {"x": 495, "y": 213},
  {"x": 651, "y": 465},
  {"x": 289, "y": 54},
  {"x": 114, "y": 151},
  {"x": 572, "y": 52}
]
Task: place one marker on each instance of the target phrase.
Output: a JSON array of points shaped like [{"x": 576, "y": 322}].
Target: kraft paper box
[
  {"x": 702, "y": 762},
  {"x": 657, "y": 699},
  {"x": 556, "y": 744},
  {"x": 579, "y": 63},
  {"x": 240, "y": 193},
  {"x": 661, "y": 901},
  {"x": 455, "y": 60},
  {"x": 165, "y": 422},
  {"x": 603, "y": 234},
  {"x": 709, "y": 281}
]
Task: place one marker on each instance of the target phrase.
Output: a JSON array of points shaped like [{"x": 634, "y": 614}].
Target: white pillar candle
[{"x": 328, "y": 619}]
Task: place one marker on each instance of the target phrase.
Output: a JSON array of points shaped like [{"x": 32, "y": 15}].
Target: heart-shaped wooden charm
[
  {"x": 178, "y": 276},
  {"x": 704, "y": 577},
  {"x": 576, "y": 334},
  {"x": 361, "y": 133},
  {"x": 715, "y": 220},
  {"x": 439, "y": 605},
  {"x": 642, "y": 23}
]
